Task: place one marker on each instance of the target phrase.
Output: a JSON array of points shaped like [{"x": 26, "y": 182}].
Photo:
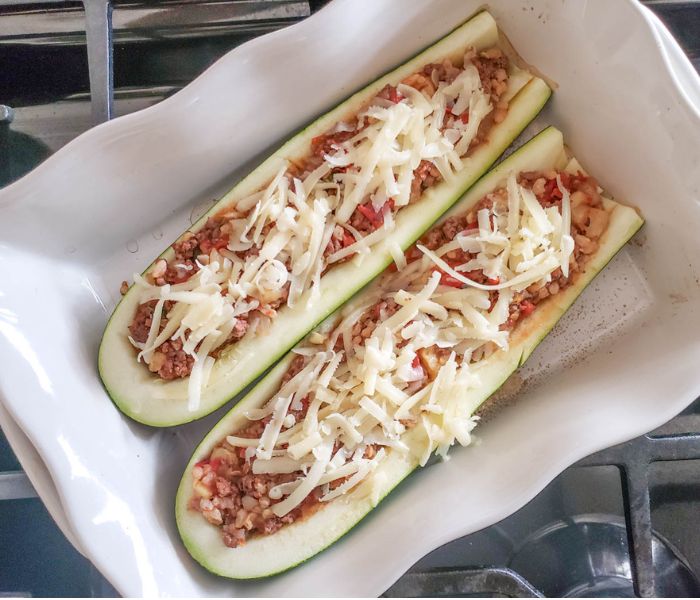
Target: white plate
[{"x": 623, "y": 361}]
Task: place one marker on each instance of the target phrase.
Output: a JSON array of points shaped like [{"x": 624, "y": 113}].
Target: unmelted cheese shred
[
  {"x": 277, "y": 236},
  {"x": 415, "y": 370}
]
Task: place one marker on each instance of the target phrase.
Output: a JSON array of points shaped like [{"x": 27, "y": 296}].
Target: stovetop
[{"x": 620, "y": 523}]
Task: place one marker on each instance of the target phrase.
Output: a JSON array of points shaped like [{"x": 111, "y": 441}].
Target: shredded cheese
[
  {"x": 277, "y": 236},
  {"x": 415, "y": 369}
]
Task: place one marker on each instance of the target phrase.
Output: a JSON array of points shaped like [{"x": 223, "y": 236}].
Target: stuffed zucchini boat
[
  {"x": 312, "y": 225},
  {"x": 401, "y": 371}
]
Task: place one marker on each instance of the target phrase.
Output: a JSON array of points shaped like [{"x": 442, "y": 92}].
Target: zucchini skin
[
  {"x": 147, "y": 400},
  {"x": 300, "y": 541}
]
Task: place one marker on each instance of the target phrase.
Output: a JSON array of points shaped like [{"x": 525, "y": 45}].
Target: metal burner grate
[
  {"x": 634, "y": 557},
  {"x": 635, "y": 458}
]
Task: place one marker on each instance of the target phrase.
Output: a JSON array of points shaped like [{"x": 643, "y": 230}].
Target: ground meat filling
[
  {"x": 193, "y": 249},
  {"x": 230, "y": 496},
  {"x": 227, "y": 493},
  {"x": 169, "y": 361},
  {"x": 588, "y": 222},
  {"x": 493, "y": 71}
]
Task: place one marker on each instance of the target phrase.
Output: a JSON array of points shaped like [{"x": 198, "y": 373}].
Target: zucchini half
[
  {"x": 147, "y": 399},
  {"x": 299, "y": 541}
]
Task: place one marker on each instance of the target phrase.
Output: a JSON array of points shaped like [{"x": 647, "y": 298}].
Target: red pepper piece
[
  {"x": 448, "y": 280},
  {"x": 552, "y": 191},
  {"x": 526, "y": 308},
  {"x": 451, "y": 281},
  {"x": 348, "y": 238},
  {"x": 376, "y": 218},
  {"x": 394, "y": 95},
  {"x": 416, "y": 362},
  {"x": 369, "y": 213},
  {"x": 206, "y": 246}
]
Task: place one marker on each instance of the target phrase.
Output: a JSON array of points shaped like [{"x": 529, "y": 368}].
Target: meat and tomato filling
[
  {"x": 273, "y": 246},
  {"x": 399, "y": 359}
]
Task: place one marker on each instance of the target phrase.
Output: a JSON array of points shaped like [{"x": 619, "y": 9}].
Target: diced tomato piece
[
  {"x": 493, "y": 280},
  {"x": 451, "y": 281},
  {"x": 368, "y": 211},
  {"x": 552, "y": 191},
  {"x": 206, "y": 246},
  {"x": 448, "y": 280},
  {"x": 376, "y": 218},
  {"x": 526, "y": 308},
  {"x": 348, "y": 238},
  {"x": 416, "y": 362},
  {"x": 394, "y": 95},
  {"x": 464, "y": 117},
  {"x": 214, "y": 464},
  {"x": 221, "y": 243},
  {"x": 568, "y": 180}
]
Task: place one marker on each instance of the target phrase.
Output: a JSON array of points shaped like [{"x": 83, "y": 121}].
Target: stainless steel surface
[
  {"x": 603, "y": 569},
  {"x": 147, "y": 20},
  {"x": 98, "y": 29},
  {"x": 6, "y": 114},
  {"x": 15, "y": 486},
  {"x": 635, "y": 459},
  {"x": 490, "y": 581},
  {"x": 621, "y": 522}
]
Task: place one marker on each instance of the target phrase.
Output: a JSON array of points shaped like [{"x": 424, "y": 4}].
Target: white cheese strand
[
  {"x": 566, "y": 246},
  {"x": 418, "y": 365},
  {"x": 268, "y": 439},
  {"x": 306, "y": 485},
  {"x": 361, "y": 397},
  {"x": 149, "y": 345},
  {"x": 292, "y": 219}
]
